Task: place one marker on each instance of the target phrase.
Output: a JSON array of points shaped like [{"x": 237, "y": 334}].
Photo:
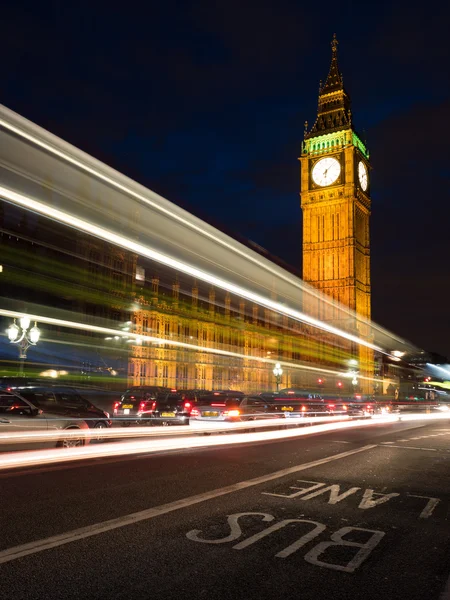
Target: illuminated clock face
[
  {"x": 326, "y": 171},
  {"x": 363, "y": 175}
]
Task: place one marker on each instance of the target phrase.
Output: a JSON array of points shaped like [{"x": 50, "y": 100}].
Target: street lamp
[
  {"x": 278, "y": 372},
  {"x": 24, "y": 337}
]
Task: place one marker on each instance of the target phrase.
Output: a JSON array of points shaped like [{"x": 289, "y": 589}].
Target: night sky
[{"x": 204, "y": 102}]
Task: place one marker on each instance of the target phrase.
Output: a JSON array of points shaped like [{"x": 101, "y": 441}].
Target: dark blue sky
[{"x": 204, "y": 102}]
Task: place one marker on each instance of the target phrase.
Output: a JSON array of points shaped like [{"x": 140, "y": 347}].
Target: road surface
[{"x": 362, "y": 513}]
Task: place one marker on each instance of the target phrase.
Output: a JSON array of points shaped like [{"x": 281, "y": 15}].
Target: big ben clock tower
[{"x": 335, "y": 200}]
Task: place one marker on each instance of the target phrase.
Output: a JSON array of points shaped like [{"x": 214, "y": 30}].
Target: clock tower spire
[
  {"x": 334, "y": 110},
  {"x": 336, "y": 204}
]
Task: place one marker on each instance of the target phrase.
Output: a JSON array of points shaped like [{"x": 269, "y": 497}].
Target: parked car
[
  {"x": 65, "y": 401},
  {"x": 219, "y": 407},
  {"x": 19, "y": 415},
  {"x": 297, "y": 402},
  {"x": 135, "y": 405},
  {"x": 366, "y": 406},
  {"x": 173, "y": 408}
]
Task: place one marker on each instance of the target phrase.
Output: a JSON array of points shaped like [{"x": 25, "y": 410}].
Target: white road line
[
  {"x": 411, "y": 448},
  {"x": 429, "y": 508},
  {"x": 16, "y": 552},
  {"x": 339, "y": 442}
]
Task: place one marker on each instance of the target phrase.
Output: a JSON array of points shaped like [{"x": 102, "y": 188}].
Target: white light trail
[
  {"x": 10, "y": 460},
  {"x": 195, "y": 428},
  {"x": 201, "y": 427},
  {"x": 139, "y": 337},
  {"x": 234, "y": 247},
  {"x": 142, "y": 250},
  {"x": 28, "y": 458}
]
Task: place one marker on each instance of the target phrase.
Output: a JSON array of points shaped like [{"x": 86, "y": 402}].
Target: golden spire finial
[{"x": 334, "y": 43}]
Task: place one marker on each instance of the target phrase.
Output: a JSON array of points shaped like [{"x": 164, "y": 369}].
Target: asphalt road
[{"x": 362, "y": 513}]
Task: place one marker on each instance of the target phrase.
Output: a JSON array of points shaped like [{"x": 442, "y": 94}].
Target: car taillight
[
  {"x": 231, "y": 413},
  {"x": 194, "y": 412},
  {"x": 303, "y": 408},
  {"x": 187, "y": 405},
  {"x": 331, "y": 406},
  {"x": 116, "y": 405},
  {"x": 344, "y": 407},
  {"x": 153, "y": 405},
  {"x": 369, "y": 407},
  {"x": 141, "y": 406}
]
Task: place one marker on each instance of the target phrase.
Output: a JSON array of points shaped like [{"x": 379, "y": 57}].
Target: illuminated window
[{"x": 140, "y": 273}]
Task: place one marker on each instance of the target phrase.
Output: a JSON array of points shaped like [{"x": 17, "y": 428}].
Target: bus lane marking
[
  {"x": 74, "y": 535},
  {"x": 430, "y": 506},
  {"x": 316, "y": 556},
  {"x": 370, "y": 498}
]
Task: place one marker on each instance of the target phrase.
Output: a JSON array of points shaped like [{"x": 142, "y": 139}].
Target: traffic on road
[{"x": 51, "y": 407}]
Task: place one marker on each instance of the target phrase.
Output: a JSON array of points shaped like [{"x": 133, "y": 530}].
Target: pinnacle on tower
[
  {"x": 333, "y": 113},
  {"x": 334, "y": 80}
]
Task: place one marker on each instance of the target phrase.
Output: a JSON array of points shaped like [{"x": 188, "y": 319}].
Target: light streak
[
  {"x": 195, "y": 428},
  {"x": 446, "y": 370},
  {"x": 10, "y": 460},
  {"x": 142, "y": 250},
  {"x": 130, "y": 190},
  {"x": 143, "y": 198},
  {"x": 139, "y": 337},
  {"x": 28, "y": 458}
]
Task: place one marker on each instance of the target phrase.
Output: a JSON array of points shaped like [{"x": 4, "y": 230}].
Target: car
[
  {"x": 157, "y": 406},
  {"x": 299, "y": 402},
  {"x": 361, "y": 405},
  {"x": 135, "y": 404},
  {"x": 65, "y": 401},
  {"x": 218, "y": 407},
  {"x": 19, "y": 415},
  {"x": 172, "y": 408}
]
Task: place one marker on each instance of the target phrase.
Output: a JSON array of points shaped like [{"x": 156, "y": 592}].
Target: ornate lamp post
[
  {"x": 278, "y": 372},
  {"x": 24, "y": 337}
]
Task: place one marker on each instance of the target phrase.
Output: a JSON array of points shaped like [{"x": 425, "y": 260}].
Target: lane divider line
[
  {"x": 412, "y": 448},
  {"x": 37, "y": 546}
]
